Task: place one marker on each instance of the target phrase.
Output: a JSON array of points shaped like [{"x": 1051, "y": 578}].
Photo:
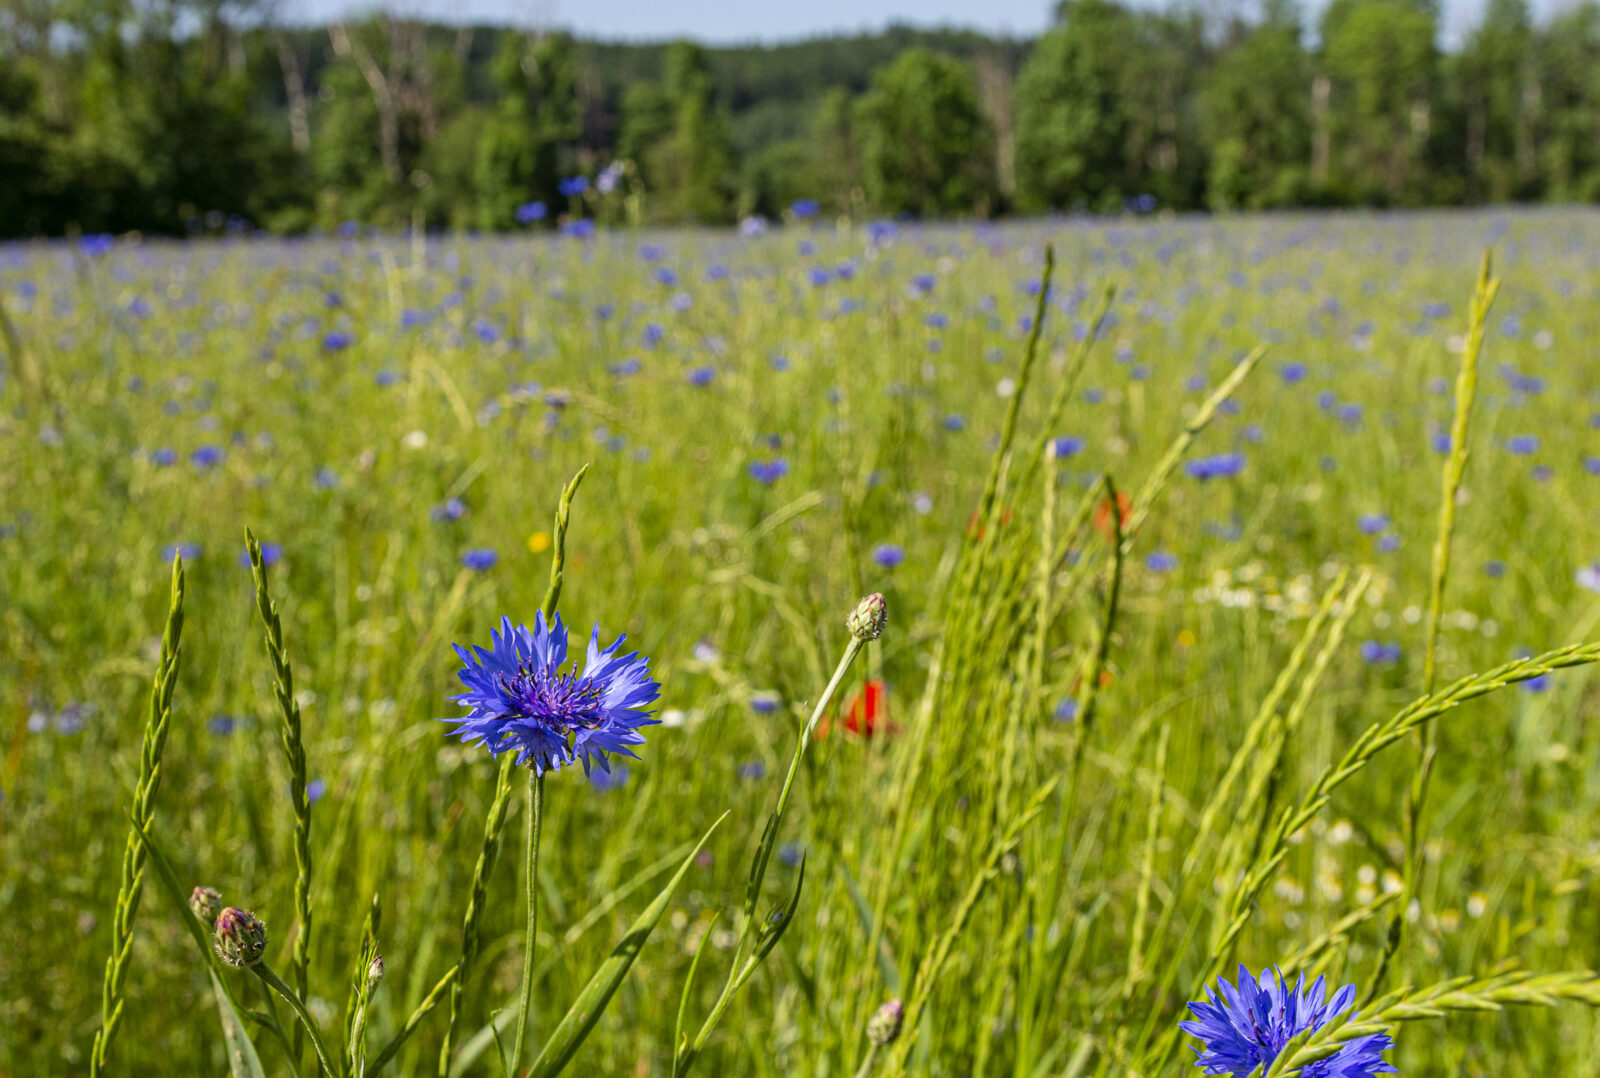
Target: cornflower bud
[{"x": 867, "y": 620}]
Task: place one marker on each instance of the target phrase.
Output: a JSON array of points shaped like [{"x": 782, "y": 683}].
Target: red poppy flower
[
  {"x": 869, "y": 710},
  {"x": 1102, "y": 515}
]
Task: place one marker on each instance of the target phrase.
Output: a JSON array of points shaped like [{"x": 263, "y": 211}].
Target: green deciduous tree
[
  {"x": 1381, "y": 58},
  {"x": 531, "y": 141},
  {"x": 1255, "y": 108},
  {"x": 926, "y": 147},
  {"x": 1072, "y": 122}
]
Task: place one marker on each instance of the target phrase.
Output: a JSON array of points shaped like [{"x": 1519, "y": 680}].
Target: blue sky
[{"x": 725, "y": 21}]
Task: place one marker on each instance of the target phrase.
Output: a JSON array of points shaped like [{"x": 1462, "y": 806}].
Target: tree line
[{"x": 175, "y": 115}]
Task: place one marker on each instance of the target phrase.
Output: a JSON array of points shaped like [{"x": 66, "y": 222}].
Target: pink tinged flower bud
[
  {"x": 867, "y": 620},
  {"x": 883, "y": 1027},
  {"x": 206, "y": 902},
  {"x": 241, "y": 937},
  {"x": 374, "y": 971}
]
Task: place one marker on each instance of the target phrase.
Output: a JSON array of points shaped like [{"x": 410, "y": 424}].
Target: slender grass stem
[
  {"x": 131, "y": 886},
  {"x": 531, "y": 870}
]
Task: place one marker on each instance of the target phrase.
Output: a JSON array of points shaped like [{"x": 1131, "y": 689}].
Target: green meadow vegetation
[{"x": 1241, "y": 589}]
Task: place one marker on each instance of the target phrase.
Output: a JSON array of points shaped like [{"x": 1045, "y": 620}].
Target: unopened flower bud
[
  {"x": 374, "y": 971},
  {"x": 206, "y": 902},
  {"x": 241, "y": 937},
  {"x": 884, "y": 1025},
  {"x": 867, "y": 620}
]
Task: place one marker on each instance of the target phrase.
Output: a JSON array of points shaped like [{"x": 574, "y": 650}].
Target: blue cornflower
[
  {"x": 449, "y": 509},
  {"x": 164, "y": 457},
  {"x": 752, "y": 770},
  {"x": 188, "y": 551},
  {"x": 522, "y": 702},
  {"x": 480, "y": 559},
  {"x": 1372, "y": 523},
  {"x": 887, "y": 555},
  {"x": 315, "y": 789},
  {"x": 1377, "y": 653},
  {"x": 765, "y": 703},
  {"x": 702, "y": 376},
  {"x": 1248, "y": 1027},
  {"x": 325, "y": 479},
  {"x": 573, "y": 187},
  {"x": 955, "y": 421},
  {"x": 1066, "y": 709},
  {"x": 207, "y": 456},
  {"x": 1161, "y": 561},
  {"x": 769, "y": 471},
  {"x": 1293, "y": 372},
  {"x": 1523, "y": 445},
  {"x": 337, "y": 341},
  {"x": 805, "y": 207},
  {"x": 529, "y": 212},
  {"x": 1221, "y": 466},
  {"x": 1067, "y": 446}
]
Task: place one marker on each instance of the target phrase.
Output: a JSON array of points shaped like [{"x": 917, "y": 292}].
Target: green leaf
[
  {"x": 591, "y": 1002},
  {"x": 242, "y": 1059}
]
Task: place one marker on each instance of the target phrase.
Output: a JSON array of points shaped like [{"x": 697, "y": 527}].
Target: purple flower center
[{"x": 562, "y": 702}]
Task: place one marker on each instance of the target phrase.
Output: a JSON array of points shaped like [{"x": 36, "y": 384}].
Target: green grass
[{"x": 1045, "y": 895}]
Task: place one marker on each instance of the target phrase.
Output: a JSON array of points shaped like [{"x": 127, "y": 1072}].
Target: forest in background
[{"x": 202, "y": 115}]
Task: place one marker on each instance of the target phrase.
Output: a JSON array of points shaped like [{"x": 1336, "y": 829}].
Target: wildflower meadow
[{"x": 1060, "y": 648}]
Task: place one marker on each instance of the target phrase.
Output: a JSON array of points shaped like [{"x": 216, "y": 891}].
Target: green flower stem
[
  {"x": 433, "y": 999},
  {"x": 867, "y": 1061},
  {"x": 535, "y": 827},
  {"x": 740, "y": 970},
  {"x": 273, "y": 981}
]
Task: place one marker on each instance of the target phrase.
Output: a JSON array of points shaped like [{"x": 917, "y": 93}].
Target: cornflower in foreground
[
  {"x": 1249, "y": 1026},
  {"x": 522, "y": 701}
]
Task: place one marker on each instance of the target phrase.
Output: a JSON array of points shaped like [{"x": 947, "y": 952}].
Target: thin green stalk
[
  {"x": 487, "y": 852},
  {"x": 131, "y": 886},
  {"x": 933, "y": 964},
  {"x": 294, "y": 752},
  {"x": 531, "y": 869},
  {"x": 1455, "y": 467},
  {"x": 431, "y": 1001},
  {"x": 1147, "y": 866},
  {"x": 296, "y": 1004},
  {"x": 494, "y": 822},
  {"x": 865, "y": 1070},
  {"x": 741, "y": 968}
]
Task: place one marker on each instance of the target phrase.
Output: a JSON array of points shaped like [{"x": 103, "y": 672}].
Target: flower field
[{"x": 1241, "y": 581}]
